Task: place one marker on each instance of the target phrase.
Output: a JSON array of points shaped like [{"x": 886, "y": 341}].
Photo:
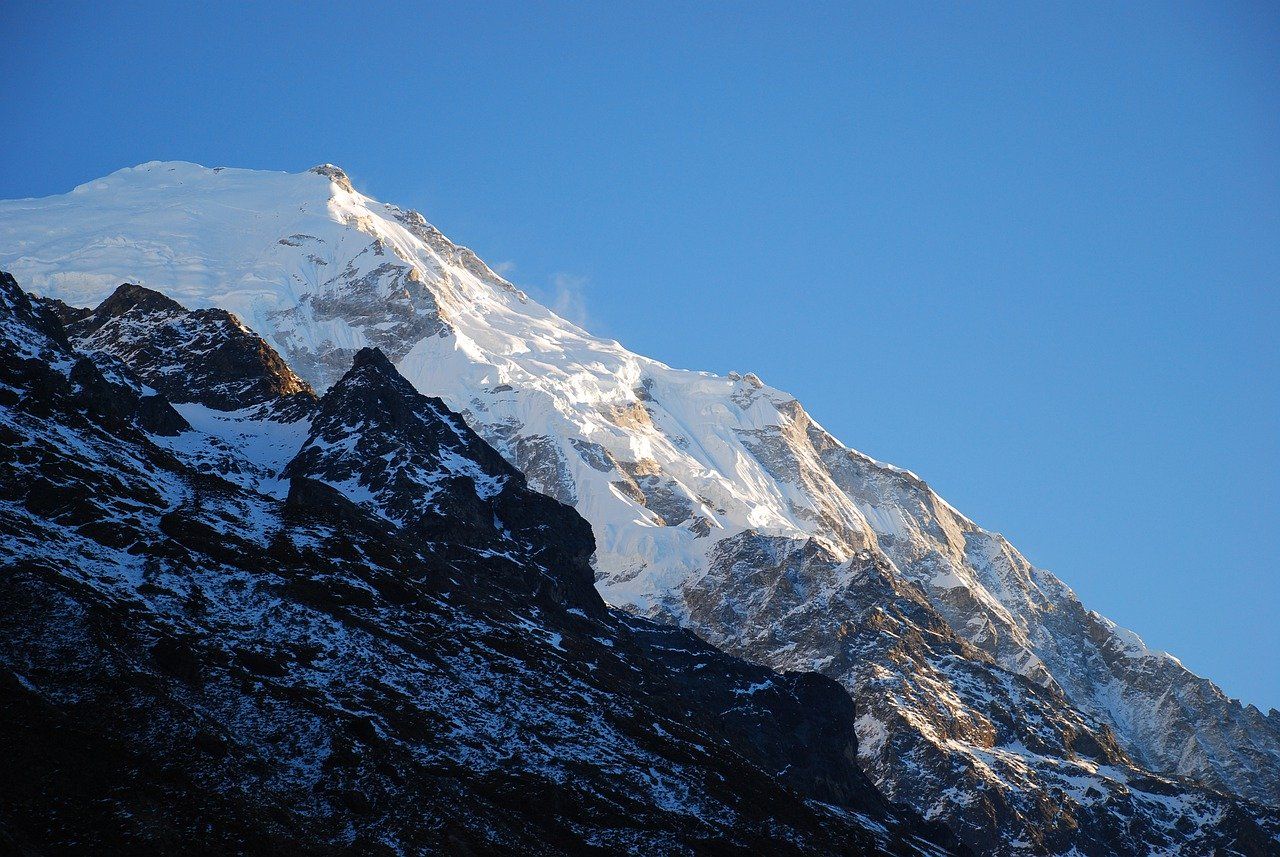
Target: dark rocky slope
[
  {"x": 188, "y": 664},
  {"x": 205, "y": 356}
]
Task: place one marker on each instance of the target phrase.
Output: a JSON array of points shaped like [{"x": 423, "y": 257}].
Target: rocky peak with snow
[
  {"x": 204, "y": 356},
  {"x": 130, "y": 297},
  {"x": 407, "y": 458},
  {"x": 44, "y": 371},
  {"x": 30, "y": 329},
  {"x": 990, "y": 696}
]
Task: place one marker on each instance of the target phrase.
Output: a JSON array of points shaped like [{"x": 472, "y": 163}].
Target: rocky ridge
[{"x": 190, "y": 663}]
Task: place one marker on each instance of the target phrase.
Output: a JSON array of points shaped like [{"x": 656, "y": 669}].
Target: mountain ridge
[
  {"x": 694, "y": 484},
  {"x": 189, "y": 664}
]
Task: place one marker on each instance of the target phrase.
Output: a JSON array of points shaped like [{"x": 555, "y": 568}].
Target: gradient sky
[{"x": 1031, "y": 252}]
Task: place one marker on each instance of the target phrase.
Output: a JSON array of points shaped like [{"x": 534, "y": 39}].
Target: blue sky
[{"x": 1031, "y": 252}]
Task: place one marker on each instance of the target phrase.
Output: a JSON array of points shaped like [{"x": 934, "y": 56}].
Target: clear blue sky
[{"x": 1031, "y": 252}]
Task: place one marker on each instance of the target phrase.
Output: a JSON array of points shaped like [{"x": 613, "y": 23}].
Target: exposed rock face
[
  {"x": 1005, "y": 759},
  {"x": 187, "y": 664},
  {"x": 38, "y": 357},
  {"x": 244, "y": 411},
  {"x": 376, "y": 291},
  {"x": 206, "y": 356},
  {"x": 410, "y": 460},
  {"x": 716, "y": 503},
  {"x": 334, "y": 174}
]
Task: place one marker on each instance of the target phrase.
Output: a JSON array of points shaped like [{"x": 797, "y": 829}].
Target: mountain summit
[{"x": 989, "y": 696}]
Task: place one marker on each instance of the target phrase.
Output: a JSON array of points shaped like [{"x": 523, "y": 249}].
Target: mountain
[
  {"x": 189, "y": 664},
  {"x": 206, "y": 356},
  {"x": 989, "y": 697},
  {"x": 249, "y": 409}
]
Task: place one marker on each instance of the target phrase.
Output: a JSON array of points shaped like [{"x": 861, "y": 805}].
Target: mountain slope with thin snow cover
[{"x": 991, "y": 697}]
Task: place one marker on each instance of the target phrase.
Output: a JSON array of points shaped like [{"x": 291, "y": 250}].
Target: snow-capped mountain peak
[{"x": 716, "y": 502}]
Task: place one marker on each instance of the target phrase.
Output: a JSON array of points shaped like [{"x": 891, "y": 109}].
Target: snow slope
[{"x": 684, "y": 476}]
